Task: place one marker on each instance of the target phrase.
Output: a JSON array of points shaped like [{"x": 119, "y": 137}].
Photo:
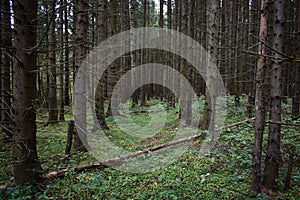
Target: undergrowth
[{"x": 224, "y": 173}]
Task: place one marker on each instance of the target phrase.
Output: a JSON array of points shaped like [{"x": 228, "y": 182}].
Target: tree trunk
[
  {"x": 203, "y": 37},
  {"x": 259, "y": 100},
  {"x": 6, "y": 122},
  {"x": 143, "y": 90},
  {"x": 231, "y": 45},
  {"x": 137, "y": 53},
  {"x": 47, "y": 85},
  {"x": 69, "y": 138},
  {"x": 25, "y": 159},
  {"x": 81, "y": 50},
  {"x": 100, "y": 91},
  {"x": 171, "y": 97},
  {"x": 126, "y": 58},
  {"x": 190, "y": 71},
  {"x": 67, "y": 69},
  {"x": 113, "y": 73},
  {"x": 296, "y": 97},
  {"x": 252, "y": 41},
  {"x": 183, "y": 64},
  {"x": 237, "y": 44},
  {"x": 53, "y": 112},
  {"x": 174, "y": 58},
  {"x": 273, "y": 157},
  {"x": 1, "y": 63},
  {"x": 212, "y": 46},
  {"x": 61, "y": 65},
  {"x": 160, "y": 56}
]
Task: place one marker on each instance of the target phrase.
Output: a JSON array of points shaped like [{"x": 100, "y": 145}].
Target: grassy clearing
[{"x": 225, "y": 173}]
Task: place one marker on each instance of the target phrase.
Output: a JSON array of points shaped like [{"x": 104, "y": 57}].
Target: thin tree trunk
[
  {"x": 253, "y": 30},
  {"x": 171, "y": 97},
  {"x": 26, "y": 166},
  {"x": 183, "y": 64},
  {"x": 100, "y": 91},
  {"x": 1, "y": 63},
  {"x": 6, "y": 122},
  {"x": 190, "y": 71},
  {"x": 296, "y": 97},
  {"x": 237, "y": 44},
  {"x": 46, "y": 93},
  {"x": 69, "y": 138},
  {"x": 273, "y": 157},
  {"x": 212, "y": 46},
  {"x": 81, "y": 50},
  {"x": 67, "y": 69},
  {"x": 126, "y": 59},
  {"x": 137, "y": 54},
  {"x": 259, "y": 100},
  {"x": 53, "y": 111},
  {"x": 159, "y": 90},
  {"x": 113, "y": 73},
  {"x": 142, "y": 90},
  {"x": 175, "y": 59},
  {"x": 61, "y": 65},
  {"x": 291, "y": 161},
  {"x": 1, "y": 54},
  {"x": 204, "y": 32}
]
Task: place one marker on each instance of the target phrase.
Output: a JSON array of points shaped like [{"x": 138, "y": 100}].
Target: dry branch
[
  {"x": 119, "y": 159},
  {"x": 283, "y": 124}
]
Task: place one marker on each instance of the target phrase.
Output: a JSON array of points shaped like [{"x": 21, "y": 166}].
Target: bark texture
[
  {"x": 6, "y": 95},
  {"x": 25, "y": 160},
  {"x": 259, "y": 100},
  {"x": 273, "y": 157}
]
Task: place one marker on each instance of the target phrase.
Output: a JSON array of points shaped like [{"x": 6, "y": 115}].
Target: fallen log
[{"x": 119, "y": 159}]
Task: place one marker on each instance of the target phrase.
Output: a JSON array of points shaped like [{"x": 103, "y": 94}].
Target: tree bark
[
  {"x": 53, "y": 112},
  {"x": 69, "y": 138},
  {"x": 126, "y": 58},
  {"x": 81, "y": 50},
  {"x": 61, "y": 65},
  {"x": 296, "y": 97},
  {"x": 6, "y": 111},
  {"x": 291, "y": 160},
  {"x": 273, "y": 157},
  {"x": 100, "y": 91},
  {"x": 1, "y": 63},
  {"x": 113, "y": 72},
  {"x": 212, "y": 46},
  {"x": 143, "y": 90},
  {"x": 26, "y": 166},
  {"x": 67, "y": 69},
  {"x": 232, "y": 23},
  {"x": 259, "y": 100},
  {"x": 252, "y": 41}
]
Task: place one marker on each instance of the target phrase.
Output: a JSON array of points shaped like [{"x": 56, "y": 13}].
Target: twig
[
  {"x": 280, "y": 123},
  {"x": 293, "y": 58}
]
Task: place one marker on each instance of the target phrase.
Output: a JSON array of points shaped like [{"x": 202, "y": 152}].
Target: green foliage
[{"x": 225, "y": 173}]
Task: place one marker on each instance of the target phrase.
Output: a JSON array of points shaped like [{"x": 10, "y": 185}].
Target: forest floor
[{"x": 224, "y": 173}]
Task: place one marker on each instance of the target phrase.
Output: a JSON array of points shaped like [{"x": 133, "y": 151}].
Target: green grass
[{"x": 224, "y": 173}]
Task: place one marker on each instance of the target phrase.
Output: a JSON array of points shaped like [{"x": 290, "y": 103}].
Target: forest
[{"x": 150, "y": 99}]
